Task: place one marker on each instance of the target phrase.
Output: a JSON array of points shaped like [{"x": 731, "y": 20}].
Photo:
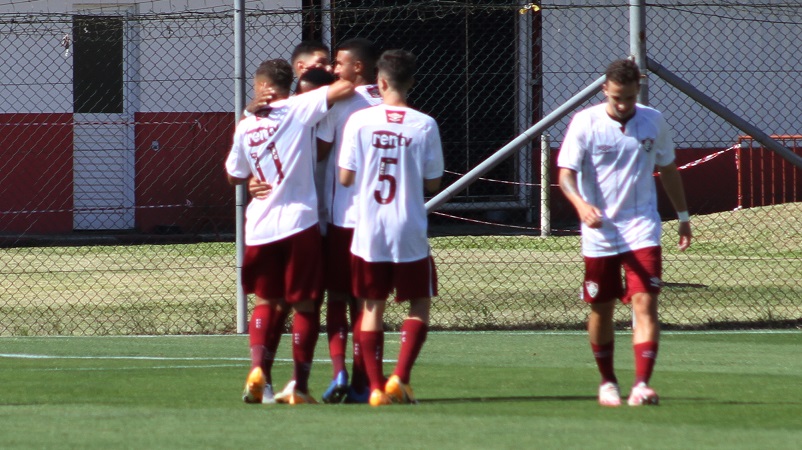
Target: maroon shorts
[
  {"x": 289, "y": 268},
  {"x": 337, "y": 258},
  {"x": 375, "y": 280},
  {"x": 642, "y": 270}
]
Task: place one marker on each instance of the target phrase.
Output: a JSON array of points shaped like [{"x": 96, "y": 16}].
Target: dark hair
[
  {"x": 307, "y": 48},
  {"x": 399, "y": 68},
  {"x": 278, "y": 71},
  {"x": 317, "y": 77},
  {"x": 363, "y": 50},
  {"x": 623, "y": 71}
]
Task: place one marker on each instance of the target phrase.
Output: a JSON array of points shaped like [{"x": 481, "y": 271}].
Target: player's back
[
  {"x": 340, "y": 199},
  {"x": 278, "y": 150},
  {"x": 392, "y": 150}
]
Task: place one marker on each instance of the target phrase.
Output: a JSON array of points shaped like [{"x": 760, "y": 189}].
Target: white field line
[{"x": 395, "y": 333}]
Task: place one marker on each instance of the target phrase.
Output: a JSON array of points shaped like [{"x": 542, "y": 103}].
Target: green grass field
[{"x": 476, "y": 390}]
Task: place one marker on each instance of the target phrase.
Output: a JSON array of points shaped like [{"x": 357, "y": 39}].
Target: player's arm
[
  {"x": 347, "y": 177},
  {"x": 339, "y": 90},
  {"x": 432, "y": 185},
  {"x": 588, "y": 214},
  {"x": 672, "y": 183},
  {"x": 323, "y": 149}
]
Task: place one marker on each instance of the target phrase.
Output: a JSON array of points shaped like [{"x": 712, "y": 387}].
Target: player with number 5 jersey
[{"x": 391, "y": 152}]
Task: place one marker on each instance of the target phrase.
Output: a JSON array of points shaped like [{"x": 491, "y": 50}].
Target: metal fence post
[
  {"x": 545, "y": 184},
  {"x": 241, "y": 194},
  {"x": 637, "y": 44}
]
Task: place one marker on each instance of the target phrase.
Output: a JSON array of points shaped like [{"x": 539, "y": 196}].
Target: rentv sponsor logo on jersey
[
  {"x": 388, "y": 140},
  {"x": 260, "y": 135}
]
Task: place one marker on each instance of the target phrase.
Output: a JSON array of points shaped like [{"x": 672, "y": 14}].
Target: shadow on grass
[
  {"x": 588, "y": 398},
  {"x": 532, "y": 398}
]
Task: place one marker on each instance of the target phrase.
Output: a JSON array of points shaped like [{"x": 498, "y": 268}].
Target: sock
[
  {"x": 645, "y": 358},
  {"x": 359, "y": 379},
  {"x": 305, "y": 329},
  {"x": 277, "y": 320},
  {"x": 337, "y": 331},
  {"x": 257, "y": 331},
  {"x": 604, "y": 360},
  {"x": 413, "y": 335},
  {"x": 372, "y": 343}
]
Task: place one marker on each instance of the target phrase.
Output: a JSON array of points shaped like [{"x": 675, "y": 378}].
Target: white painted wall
[{"x": 178, "y": 65}]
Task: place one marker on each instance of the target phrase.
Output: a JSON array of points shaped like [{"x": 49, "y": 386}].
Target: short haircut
[
  {"x": 308, "y": 48},
  {"x": 317, "y": 77},
  {"x": 363, "y": 50},
  {"x": 399, "y": 68},
  {"x": 623, "y": 71},
  {"x": 278, "y": 71}
]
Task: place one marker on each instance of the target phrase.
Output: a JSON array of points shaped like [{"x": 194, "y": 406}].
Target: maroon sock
[
  {"x": 372, "y": 343},
  {"x": 359, "y": 379},
  {"x": 337, "y": 331},
  {"x": 305, "y": 329},
  {"x": 277, "y": 320},
  {"x": 257, "y": 331},
  {"x": 604, "y": 360},
  {"x": 645, "y": 357},
  {"x": 413, "y": 335}
]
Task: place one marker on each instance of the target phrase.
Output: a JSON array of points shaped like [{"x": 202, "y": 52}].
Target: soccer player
[
  {"x": 309, "y": 60},
  {"x": 391, "y": 153},
  {"x": 355, "y": 61},
  {"x": 282, "y": 264},
  {"x": 606, "y": 162}
]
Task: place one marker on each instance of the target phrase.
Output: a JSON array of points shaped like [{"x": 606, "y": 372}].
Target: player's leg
[
  {"x": 305, "y": 331},
  {"x": 303, "y": 275},
  {"x": 372, "y": 343},
  {"x": 601, "y": 287},
  {"x": 358, "y": 391},
  {"x": 416, "y": 281},
  {"x": 258, "y": 279},
  {"x": 372, "y": 283},
  {"x": 337, "y": 332},
  {"x": 643, "y": 271},
  {"x": 337, "y": 257}
]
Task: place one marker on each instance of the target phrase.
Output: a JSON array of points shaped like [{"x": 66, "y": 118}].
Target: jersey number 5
[{"x": 384, "y": 176}]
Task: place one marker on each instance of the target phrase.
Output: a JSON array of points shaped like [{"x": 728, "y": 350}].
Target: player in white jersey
[
  {"x": 282, "y": 257},
  {"x": 606, "y": 163},
  {"x": 391, "y": 153},
  {"x": 308, "y": 56},
  {"x": 355, "y": 61}
]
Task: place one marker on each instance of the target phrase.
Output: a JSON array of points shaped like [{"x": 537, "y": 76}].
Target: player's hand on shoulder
[
  {"x": 261, "y": 100},
  {"x": 259, "y": 189}
]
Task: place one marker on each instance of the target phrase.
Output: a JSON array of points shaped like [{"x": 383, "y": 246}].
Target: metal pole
[
  {"x": 527, "y": 136},
  {"x": 240, "y": 193},
  {"x": 637, "y": 44},
  {"x": 722, "y": 111},
  {"x": 545, "y": 185}
]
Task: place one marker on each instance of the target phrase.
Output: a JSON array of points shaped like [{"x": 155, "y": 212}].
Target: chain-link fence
[{"x": 115, "y": 217}]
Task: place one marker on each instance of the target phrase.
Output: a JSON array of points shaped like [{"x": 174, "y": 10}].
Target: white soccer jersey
[
  {"x": 392, "y": 150},
  {"x": 278, "y": 149},
  {"x": 615, "y": 171},
  {"x": 339, "y": 199}
]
